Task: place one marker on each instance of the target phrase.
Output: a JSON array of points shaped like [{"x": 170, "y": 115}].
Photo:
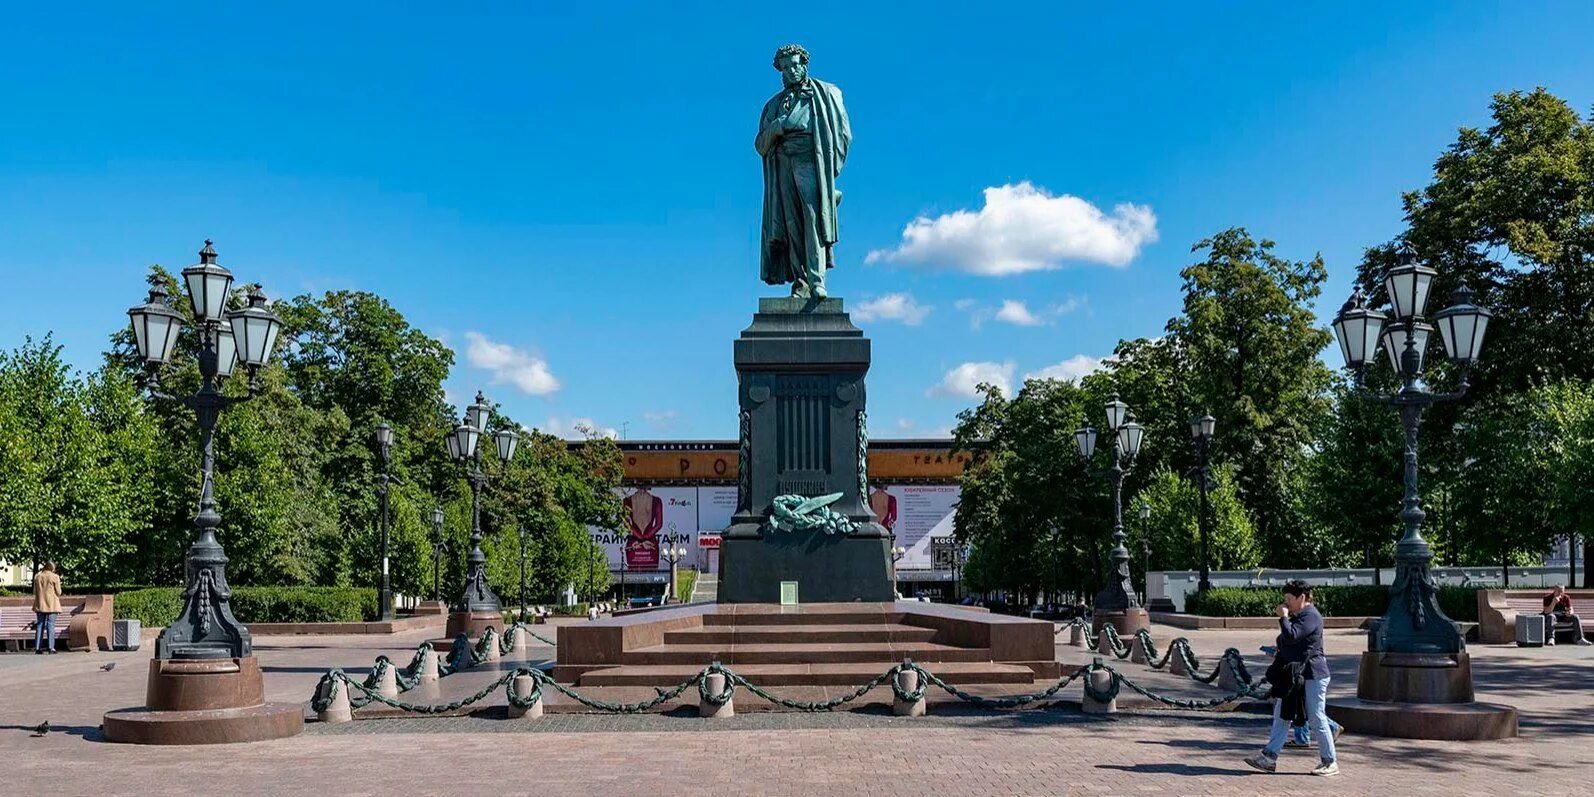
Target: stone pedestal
[
  {"x": 204, "y": 701},
  {"x": 1421, "y": 696},
  {"x": 438, "y": 608},
  {"x": 800, "y": 370},
  {"x": 474, "y": 624},
  {"x": 1127, "y": 622}
]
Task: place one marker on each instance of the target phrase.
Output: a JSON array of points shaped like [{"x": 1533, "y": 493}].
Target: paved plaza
[{"x": 956, "y": 750}]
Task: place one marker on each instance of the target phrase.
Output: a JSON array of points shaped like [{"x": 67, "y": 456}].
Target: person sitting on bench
[{"x": 1558, "y": 609}]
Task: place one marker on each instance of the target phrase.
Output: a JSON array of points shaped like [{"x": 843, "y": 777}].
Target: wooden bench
[
  {"x": 83, "y": 624},
  {"x": 1498, "y": 610}
]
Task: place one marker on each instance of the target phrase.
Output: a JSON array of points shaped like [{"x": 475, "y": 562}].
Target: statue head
[{"x": 792, "y": 63}]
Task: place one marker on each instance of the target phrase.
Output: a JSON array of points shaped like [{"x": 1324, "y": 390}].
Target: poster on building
[
  {"x": 915, "y": 513},
  {"x": 653, "y": 517}
]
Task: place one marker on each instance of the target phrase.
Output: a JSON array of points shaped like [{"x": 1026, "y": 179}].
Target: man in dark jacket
[{"x": 1300, "y": 643}]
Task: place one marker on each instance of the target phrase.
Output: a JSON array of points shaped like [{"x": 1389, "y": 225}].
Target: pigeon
[
  {"x": 108, "y": 667},
  {"x": 44, "y": 728}
]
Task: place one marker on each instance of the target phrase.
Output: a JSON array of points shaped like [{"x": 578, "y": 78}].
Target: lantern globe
[
  {"x": 1116, "y": 412},
  {"x": 256, "y": 330},
  {"x": 507, "y": 441},
  {"x": 1462, "y": 325},
  {"x": 465, "y": 439},
  {"x": 1085, "y": 441},
  {"x": 1407, "y": 284},
  {"x": 209, "y": 285},
  {"x": 155, "y": 327},
  {"x": 1130, "y": 436},
  {"x": 1394, "y": 343},
  {"x": 479, "y": 413},
  {"x": 226, "y": 351},
  {"x": 1357, "y": 329}
]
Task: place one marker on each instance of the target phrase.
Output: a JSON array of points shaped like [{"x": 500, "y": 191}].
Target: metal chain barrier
[{"x": 365, "y": 693}]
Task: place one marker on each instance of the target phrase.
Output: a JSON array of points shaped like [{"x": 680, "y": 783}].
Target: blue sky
[{"x": 567, "y": 192}]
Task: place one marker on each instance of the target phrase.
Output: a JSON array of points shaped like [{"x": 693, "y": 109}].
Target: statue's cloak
[{"x": 832, "y": 135}]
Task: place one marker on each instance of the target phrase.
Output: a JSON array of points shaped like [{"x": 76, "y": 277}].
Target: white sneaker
[
  {"x": 1263, "y": 762},
  {"x": 1326, "y": 769}
]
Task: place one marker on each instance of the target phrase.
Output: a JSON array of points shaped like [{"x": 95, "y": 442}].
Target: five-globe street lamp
[
  {"x": 897, "y": 552},
  {"x": 206, "y": 627},
  {"x": 384, "y": 447},
  {"x": 1118, "y": 594},
  {"x": 1201, "y": 431},
  {"x": 673, "y": 555},
  {"x": 438, "y": 546},
  {"x": 1145, "y": 550},
  {"x": 478, "y": 606},
  {"x": 1414, "y": 626}
]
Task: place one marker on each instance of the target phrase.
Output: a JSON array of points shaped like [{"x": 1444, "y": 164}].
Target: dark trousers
[{"x": 1550, "y": 619}]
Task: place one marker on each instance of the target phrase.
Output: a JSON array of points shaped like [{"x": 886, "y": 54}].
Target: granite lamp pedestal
[
  {"x": 800, "y": 371},
  {"x": 205, "y": 685}
]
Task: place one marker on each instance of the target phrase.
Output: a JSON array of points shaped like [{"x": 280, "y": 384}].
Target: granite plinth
[
  {"x": 217, "y": 726},
  {"x": 1421, "y": 696},
  {"x": 204, "y": 701},
  {"x": 800, "y": 371},
  {"x": 473, "y": 624},
  {"x": 806, "y": 645},
  {"x": 1127, "y": 622}
]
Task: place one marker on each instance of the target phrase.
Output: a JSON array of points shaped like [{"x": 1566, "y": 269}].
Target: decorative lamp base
[
  {"x": 204, "y": 701},
  {"x": 474, "y": 624},
  {"x": 1421, "y": 697},
  {"x": 1126, "y": 622}
]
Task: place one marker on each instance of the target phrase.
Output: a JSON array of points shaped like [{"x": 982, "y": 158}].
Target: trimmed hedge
[
  {"x": 159, "y": 606},
  {"x": 1359, "y": 600}
]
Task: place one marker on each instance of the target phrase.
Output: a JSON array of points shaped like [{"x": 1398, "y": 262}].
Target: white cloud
[
  {"x": 1014, "y": 311},
  {"x": 662, "y": 420},
  {"x": 1070, "y": 369},
  {"x": 964, "y": 380},
  {"x": 1017, "y": 311},
  {"x": 892, "y": 307},
  {"x": 577, "y": 428},
  {"x": 1023, "y": 228},
  {"x": 905, "y": 424},
  {"x": 524, "y": 370}
]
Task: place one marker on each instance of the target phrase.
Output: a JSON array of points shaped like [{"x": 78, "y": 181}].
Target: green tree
[
  {"x": 1250, "y": 342},
  {"x": 73, "y": 456},
  {"x": 1509, "y": 212},
  {"x": 1174, "y": 525}
]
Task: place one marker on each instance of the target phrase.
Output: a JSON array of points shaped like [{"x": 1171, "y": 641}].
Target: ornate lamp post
[
  {"x": 1145, "y": 550},
  {"x": 1201, "y": 430},
  {"x": 204, "y": 658},
  {"x": 672, "y": 555},
  {"x": 439, "y": 545},
  {"x": 897, "y": 552},
  {"x": 478, "y": 606},
  {"x": 523, "y": 533},
  {"x": 384, "y": 447},
  {"x": 1116, "y": 601},
  {"x": 1416, "y": 654}
]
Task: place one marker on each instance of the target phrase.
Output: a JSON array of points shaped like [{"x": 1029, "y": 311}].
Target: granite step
[
  {"x": 805, "y": 653},
  {"x": 775, "y": 616},
  {"x": 773, "y": 675},
  {"x": 799, "y": 634}
]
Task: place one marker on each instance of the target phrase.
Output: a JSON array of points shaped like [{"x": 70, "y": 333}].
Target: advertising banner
[{"x": 915, "y": 513}]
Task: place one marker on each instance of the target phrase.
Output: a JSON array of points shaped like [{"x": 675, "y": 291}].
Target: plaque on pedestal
[{"x": 800, "y": 372}]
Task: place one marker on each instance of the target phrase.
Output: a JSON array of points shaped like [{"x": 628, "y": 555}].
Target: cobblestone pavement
[{"x": 954, "y": 751}]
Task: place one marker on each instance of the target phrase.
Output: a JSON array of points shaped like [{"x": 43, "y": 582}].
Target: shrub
[
  {"x": 1352, "y": 600},
  {"x": 156, "y": 606},
  {"x": 159, "y": 606}
]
